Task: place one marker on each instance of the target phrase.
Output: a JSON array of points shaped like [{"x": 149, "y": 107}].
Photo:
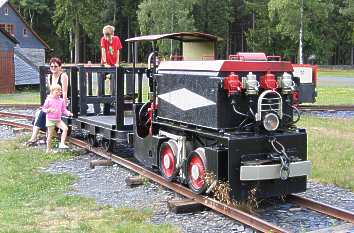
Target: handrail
[{"x": 82, "y": 89}]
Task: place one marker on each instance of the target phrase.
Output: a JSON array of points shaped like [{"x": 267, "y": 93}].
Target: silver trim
[
  {"x": 275, "y": 107},
  {"x": 270, "y": 172}
]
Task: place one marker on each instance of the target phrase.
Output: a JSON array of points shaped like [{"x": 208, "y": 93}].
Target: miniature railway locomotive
[{"x": 233, "y": 119}]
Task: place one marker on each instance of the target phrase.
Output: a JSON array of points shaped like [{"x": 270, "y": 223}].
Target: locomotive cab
[{"x": 229, "y": 121}]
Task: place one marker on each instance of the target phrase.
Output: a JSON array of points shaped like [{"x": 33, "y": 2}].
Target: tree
[
  {"x": 30, "y": 8},
  {"x": 261, "y": 36},
  {"x": 157, "y": 17},
  {"x": 123, "y": 15},
  {"x": 73, "y": 16},
  {"x": 214, "y": 17},
  {"x": 348, "y": 12},
  {"x": 287, "y": 17}
]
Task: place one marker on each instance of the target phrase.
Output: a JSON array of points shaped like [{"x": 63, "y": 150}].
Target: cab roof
[{"x": 180, "y": 36}]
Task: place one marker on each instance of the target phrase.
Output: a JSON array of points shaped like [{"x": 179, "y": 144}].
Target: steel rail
[
  {"x": 222, "y": 208},
  {"x": 233, "y": 213},
  {"x": 15, "y": 124},
  {"x": 326, "y": 107},
  {"x": 10, "y": 114},
  {"x": 322, "y": 208},
  {"x": 19, "y": 106}
]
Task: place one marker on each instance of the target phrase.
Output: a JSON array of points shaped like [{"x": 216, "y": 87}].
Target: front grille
[{"x": 269, "y": 101}]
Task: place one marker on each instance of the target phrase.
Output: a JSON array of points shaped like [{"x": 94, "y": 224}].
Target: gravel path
[
  {"x": 107, "y": 186},
  {"x": 331, "y": 81},
  {"x": 330, "y": 114}
]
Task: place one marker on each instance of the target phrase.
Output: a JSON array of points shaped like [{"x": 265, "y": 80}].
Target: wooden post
[
  {"x": 83, "y": 91},
  {"x": 120, "y": 98},
  {"x": 134, "y": 181},
  {"x": 102, "y": 162},
  {"x": 89, "y": 82},
  {"x": 74, "y": 91},
  {"x": 140, "y": 86},
  {"x": 43, "y": 83},
  {"x": 184, "y": 206}
]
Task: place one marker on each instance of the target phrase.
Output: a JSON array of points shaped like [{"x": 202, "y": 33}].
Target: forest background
[{"x": 73, "y": 28}]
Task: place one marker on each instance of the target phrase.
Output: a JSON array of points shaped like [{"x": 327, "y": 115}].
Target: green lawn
[
  {"x": 331, "y": 150},
  {"x": 338, "y": 73},
  {"x": 21, "y": 97},
  {"x": 32, "y": 201},
  {"x": 335, "y": 96}
]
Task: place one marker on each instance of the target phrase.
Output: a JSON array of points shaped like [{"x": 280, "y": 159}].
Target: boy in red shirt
[{"x": 110, "y": 46}]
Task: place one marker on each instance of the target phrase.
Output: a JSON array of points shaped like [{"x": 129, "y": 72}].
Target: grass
[
  {"x": 21, "y": 97},
  {"x": 337, "y": 73},
  {"x": 33, "y": 201},
  {"x": 331, "y": 150},
  {"x": 335, "y": 96}
]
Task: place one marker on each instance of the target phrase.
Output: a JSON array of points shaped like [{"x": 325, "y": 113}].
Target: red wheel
[
  {"x": 196, "y": 171},
  {"x": 168, "y": 153}
]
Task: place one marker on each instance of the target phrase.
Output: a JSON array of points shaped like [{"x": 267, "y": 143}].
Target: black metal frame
[{"x": 80, "y": 93}]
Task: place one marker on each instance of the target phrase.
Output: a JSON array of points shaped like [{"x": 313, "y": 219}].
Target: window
[
  {"x": 25, "y": 33},
  {"x": 8, "y": 27},
  {"x": 6, "y": 11}
]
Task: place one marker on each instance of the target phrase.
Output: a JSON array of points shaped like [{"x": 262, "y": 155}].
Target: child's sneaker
[{"x": 63, "y": 146}]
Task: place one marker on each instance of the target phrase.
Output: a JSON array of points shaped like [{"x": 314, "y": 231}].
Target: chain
[{"x": 283, "y": 157}]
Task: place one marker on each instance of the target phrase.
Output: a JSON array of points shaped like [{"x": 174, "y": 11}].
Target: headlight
[{"x": 271, "y": 122}]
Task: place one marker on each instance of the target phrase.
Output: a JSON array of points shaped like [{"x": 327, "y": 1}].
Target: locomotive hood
[{"x": 217, "y": 66}]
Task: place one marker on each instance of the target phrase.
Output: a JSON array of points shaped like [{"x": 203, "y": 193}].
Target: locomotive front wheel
[
  {"x": 167, "y": 154},
  {"x": 196, "y": 170}
]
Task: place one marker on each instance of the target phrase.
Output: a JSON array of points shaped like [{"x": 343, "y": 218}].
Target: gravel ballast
[{"x": 107, "y": 186}]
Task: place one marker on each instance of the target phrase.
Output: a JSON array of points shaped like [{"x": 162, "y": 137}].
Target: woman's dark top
[{"x": 59, "y": 81}]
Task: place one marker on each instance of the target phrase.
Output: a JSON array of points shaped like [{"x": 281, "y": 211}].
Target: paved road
[{"x": 326, "y": 81}]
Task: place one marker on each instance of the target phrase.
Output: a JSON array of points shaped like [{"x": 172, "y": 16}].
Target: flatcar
[{"x": 234, "y": 119}]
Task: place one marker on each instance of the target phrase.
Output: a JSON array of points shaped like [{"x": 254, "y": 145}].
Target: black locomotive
[{"x": 234, "y": 119}]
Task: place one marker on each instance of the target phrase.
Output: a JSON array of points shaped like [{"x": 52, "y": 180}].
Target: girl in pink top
[{"x": 54, "y": 106}]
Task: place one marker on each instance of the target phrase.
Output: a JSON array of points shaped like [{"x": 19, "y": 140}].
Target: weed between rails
[{"x": 221, "y": 191}]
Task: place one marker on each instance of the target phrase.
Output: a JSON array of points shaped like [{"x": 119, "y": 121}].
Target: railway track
[
  {"x": 20, "y": 106},
  {"x": 222, "y": 208},
  {"x": 13, "y": 115},
  {"x": 329, "y": 108}
]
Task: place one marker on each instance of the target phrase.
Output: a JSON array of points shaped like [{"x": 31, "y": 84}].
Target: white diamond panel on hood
[{"x": 185, "y": 99}]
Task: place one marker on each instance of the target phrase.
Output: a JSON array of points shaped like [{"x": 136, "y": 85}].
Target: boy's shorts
[{"x": 50, "y": 123}]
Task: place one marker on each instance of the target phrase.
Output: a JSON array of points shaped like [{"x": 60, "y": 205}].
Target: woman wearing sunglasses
[
  {"x": 110, "y": 46},
  {"x": 57, "y": 77}
]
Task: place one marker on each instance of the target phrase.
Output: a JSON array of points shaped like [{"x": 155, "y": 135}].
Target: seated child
[{"x": 54, "y": 107}]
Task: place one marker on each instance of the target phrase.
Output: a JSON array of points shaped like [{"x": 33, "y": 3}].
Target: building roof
[
  {"x": 8, "y": 35},
  {"x": 181, "y": 36},
  {"x": 2, "y": 2}
]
